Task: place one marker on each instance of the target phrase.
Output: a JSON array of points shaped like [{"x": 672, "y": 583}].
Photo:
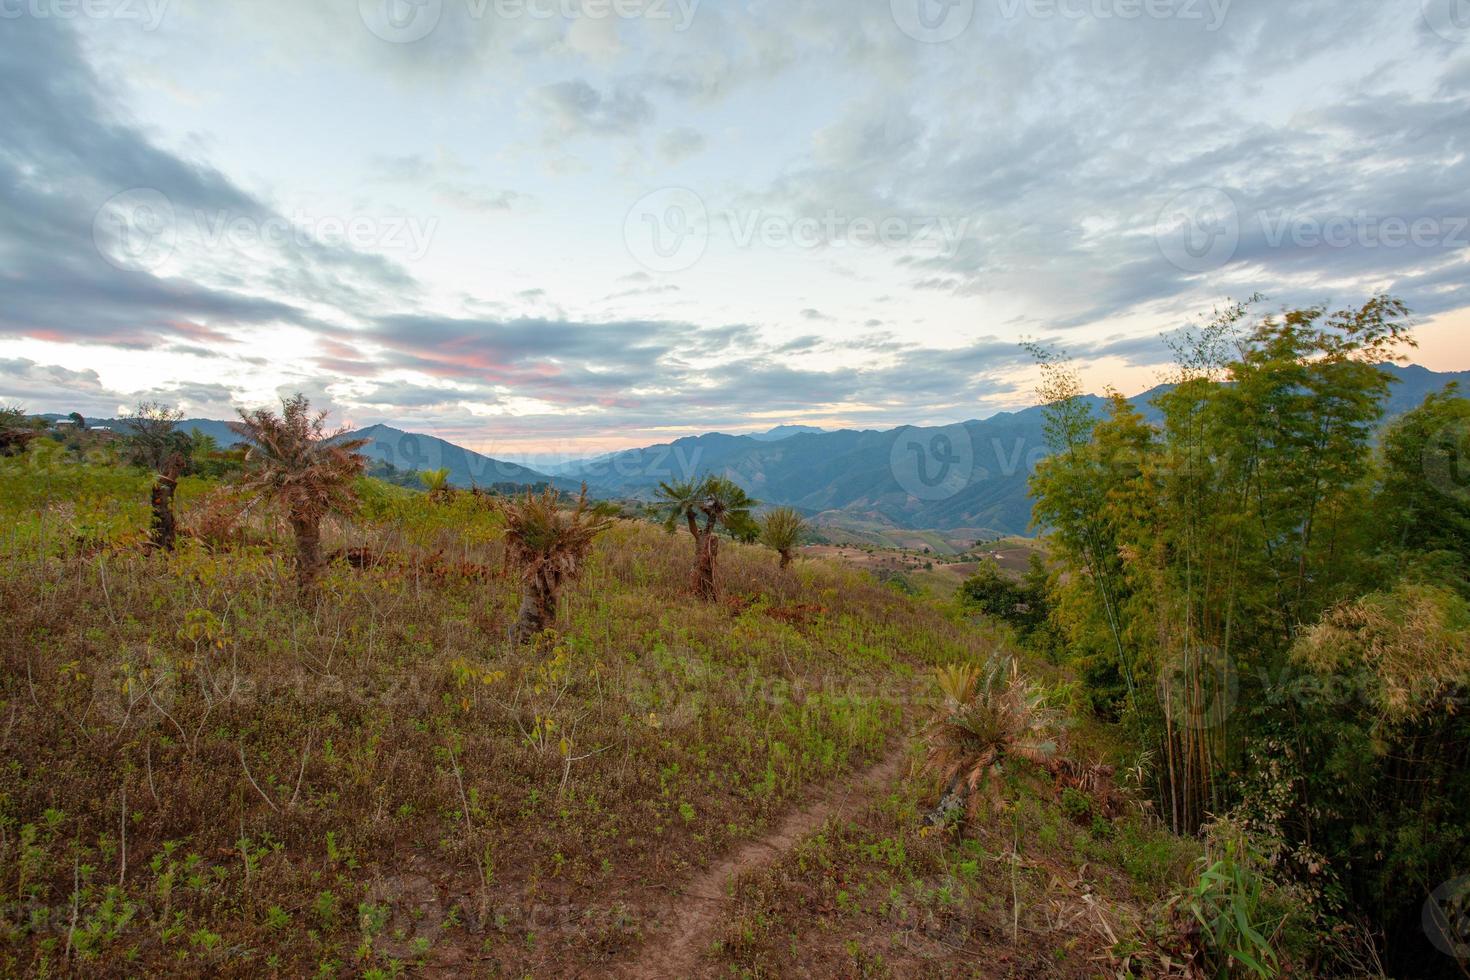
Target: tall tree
[
  {"x": 705, "y": 505},
  {"x": 153, "y": 436},
  {"x": 1425, "y": 497},
  {"x": 294, "y": 460},
  {"x": 15, "y": 434},
  {"x": 1206, "y": 543}
]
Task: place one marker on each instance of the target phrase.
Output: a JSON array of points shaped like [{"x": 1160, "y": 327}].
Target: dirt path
[{"x": 673, "y": 951}]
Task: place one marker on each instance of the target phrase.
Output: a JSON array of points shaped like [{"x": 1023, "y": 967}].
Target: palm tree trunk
[
  {"x": 706, "y": 552},
  {"x": 308, "y": 549},
  {"x": 537, "y": 612},
  {"x": 785, "y": 557},
  {"x": 161, "y": 534}
]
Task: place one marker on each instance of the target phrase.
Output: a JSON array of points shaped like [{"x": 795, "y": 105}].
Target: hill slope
[
  {"x": 411, "y": 451},
  {"x": 211, "y": 777},
  {"x": 970, "y": 475}
]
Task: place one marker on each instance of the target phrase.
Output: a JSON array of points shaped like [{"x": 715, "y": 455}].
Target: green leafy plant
[
  {"x": 1230, "y": 904},
  {"x": 705, "y": 506},
  {"x": 781, "y": 530},
  {"x": 988, "y": 715}
]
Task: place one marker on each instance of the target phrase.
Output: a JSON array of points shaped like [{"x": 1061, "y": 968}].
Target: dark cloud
[{"x": 69, "y": 273}]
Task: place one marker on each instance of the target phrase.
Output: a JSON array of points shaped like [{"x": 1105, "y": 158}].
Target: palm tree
[
  {"x": 718, "y": 502},
  {"x": 549, "y": 546},
  {"x": 436, "y": 482},
  {"x": 293, "y": 459},
  {"x": 154, "y": 442},
  {"x": 989, "y": 714},
  {"x": 781, "y": 531}
]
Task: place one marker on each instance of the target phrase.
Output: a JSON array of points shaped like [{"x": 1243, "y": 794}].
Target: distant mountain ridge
[
  {"x": 967, "y": 475},
  {"x": 412, "y": 451},
  {"x": 406, "y": 451}
]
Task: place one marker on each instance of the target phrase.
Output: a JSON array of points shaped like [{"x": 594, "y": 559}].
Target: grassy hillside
[{"x": 205, "y": 775}]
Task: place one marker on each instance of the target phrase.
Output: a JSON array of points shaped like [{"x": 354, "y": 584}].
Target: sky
[{"x": 556, "y": 227}]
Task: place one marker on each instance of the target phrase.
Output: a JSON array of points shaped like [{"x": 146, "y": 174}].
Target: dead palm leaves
[
  {"x": 989, "y": 714},
  {"x": 547, "y": 545}
]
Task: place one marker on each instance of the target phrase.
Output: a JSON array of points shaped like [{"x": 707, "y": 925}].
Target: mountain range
[{"x": 971, "y": 475}]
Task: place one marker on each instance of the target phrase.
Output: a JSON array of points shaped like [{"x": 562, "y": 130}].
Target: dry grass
[
  {"x": 1409, "y": 648},
  {"x": 1029, "y": 893},
  {"x": 202, "y": 775}
]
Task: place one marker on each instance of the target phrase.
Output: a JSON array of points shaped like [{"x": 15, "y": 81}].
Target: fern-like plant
[
  {"x": 293, "y": 460},
  {"x": 705, "y": 506},
  {"x": 437, "y": 483},
  {"x": 988, "y": 715},
  {"x": 548, "y": 545},
  {"x": 781, "y": 530}
]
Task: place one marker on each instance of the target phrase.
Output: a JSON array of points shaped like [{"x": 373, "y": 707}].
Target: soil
[{"x": 695, "y": 916}]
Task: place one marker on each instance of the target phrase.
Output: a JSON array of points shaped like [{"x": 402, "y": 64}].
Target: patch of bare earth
[{"x": 694, "y": 918}]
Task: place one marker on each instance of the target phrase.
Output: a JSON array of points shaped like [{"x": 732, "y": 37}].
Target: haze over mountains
[{"x": 970, "y": 475}]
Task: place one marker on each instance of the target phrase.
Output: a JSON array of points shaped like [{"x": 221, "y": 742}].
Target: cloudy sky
[{"x": 560, "y": 226}]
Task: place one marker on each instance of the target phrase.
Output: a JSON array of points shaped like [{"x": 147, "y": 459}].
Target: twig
[
  {"x": 148, "y": 761},
  {"x": 76, "y": 894},
  {"x": 304, "y": 755},
  {"x": 107, "y": 597},
  {"x": 122, "y": 873},
  {"x": 154, "y": 701},
  {"x": 267, "y": 799}
]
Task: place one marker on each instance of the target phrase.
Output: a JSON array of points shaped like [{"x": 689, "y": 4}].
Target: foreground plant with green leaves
[
  {"x": 705, "y": 506},
  {"x": 989, "y": 714},
  {"x": 295, "y": 461}
]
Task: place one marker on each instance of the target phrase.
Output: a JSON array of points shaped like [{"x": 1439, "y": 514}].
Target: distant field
[{"x": 936, "y": 574}]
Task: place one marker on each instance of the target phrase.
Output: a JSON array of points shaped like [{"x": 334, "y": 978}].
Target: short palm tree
[
  {"x": 989, "y": 714},
  {"x": 309, "y": 471},
  {"x": 155, "y": 442},
  {"x": 436, "y": 482},
  {"x": 705, "y": 506},
  {"x": 781, "y": 531},
  {"x": 548, "y": 545}
]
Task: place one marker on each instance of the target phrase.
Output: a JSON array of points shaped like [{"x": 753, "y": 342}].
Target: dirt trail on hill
[{"x": 693, "y": 917}]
